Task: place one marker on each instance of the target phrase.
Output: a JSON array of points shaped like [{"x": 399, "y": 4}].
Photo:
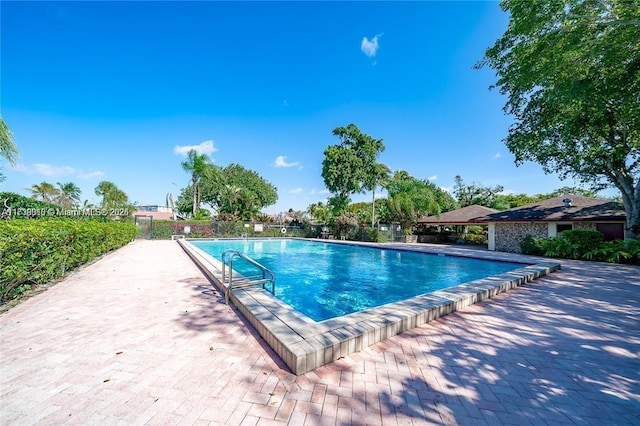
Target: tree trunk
[
  {"x": 632, "y": 210},
  {"x": 195, "y": 197},
  {"x": 631, "y": 201},
  {"x": 373, "y": 208}
]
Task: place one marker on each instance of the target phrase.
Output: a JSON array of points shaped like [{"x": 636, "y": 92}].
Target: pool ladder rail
[{"x": 265, "y": 276}]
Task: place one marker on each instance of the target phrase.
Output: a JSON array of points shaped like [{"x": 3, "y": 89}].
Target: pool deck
[
  {"x": 141, "y": 337},
  {"x": 304, "y": 344}
]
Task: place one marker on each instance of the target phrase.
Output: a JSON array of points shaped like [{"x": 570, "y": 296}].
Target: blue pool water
[{"x": 326, "y": 280}]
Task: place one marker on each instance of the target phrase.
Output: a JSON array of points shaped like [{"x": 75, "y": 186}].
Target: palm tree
[
  {"x": 45, "y": 192},
  {"x": 409, "y": 198},
  {"x": 8, "y": 148},
  {"x": 112, "y": 196},
  {"x": 378, "y": 176},
  {"x": 69, "y": 195},
  {"x": 197, "y": 165}
]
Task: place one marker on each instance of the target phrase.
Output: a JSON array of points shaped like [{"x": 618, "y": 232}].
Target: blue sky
[{"x": 119, "y": 90}]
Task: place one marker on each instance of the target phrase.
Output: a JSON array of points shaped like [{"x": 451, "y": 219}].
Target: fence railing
[{"x": 164, "y": 230}]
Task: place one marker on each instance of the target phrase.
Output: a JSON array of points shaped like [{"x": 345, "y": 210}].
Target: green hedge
[
  {"x": 39, "y": 251},
  {"x": 583, "y": 244},
  {"x": 164, "y": 229}
]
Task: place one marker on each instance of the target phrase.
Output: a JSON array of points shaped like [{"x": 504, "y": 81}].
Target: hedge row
[
  {"x": 583, "y": 244},
  {"x": 164, "y": 229},
  {"x": 34, "y": 252}
]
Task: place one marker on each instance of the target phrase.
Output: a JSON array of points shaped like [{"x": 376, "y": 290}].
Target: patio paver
[{"x": 141, "y": 337}]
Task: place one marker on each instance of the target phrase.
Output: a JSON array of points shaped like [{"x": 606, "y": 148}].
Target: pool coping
[{"x": 304, "y": 344}]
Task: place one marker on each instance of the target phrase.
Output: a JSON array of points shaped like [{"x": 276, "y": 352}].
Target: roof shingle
[
  {"x": 458, "y": 217},
  {"x": 554, "y": 210}
]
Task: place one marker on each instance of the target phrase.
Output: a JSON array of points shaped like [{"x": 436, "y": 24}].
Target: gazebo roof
[{"x": 463, "y": 216}]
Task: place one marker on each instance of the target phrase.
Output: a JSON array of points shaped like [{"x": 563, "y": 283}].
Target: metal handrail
[{"x": 266, "y": 276}]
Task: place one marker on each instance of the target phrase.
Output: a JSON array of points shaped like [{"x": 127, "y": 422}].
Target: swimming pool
[
  {"x": 305, "y": 344},
  {"x": 324, "y": 280}
]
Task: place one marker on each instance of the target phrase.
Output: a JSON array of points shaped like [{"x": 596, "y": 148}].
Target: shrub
[
  {"x": 572, "y": 244},
  {"x": 617, "y": 251},
  {"x": 475, "y": 239},
  {"x": 16, "y": 206},
  {"x": 582, "y": 241},
  {"x": 558, "y": 247},
  {"x": 532, "y": 245},
  {"x": 35, "y": 252}
]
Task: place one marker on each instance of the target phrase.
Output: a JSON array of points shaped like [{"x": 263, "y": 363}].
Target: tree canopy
[
  {"x": 8, "y": 148},
  {"x": 196, "y": 165},
  {"x": 112, "y": 196},
  {"x": 45, "y": 192},
  {"x": 231, "y": 191},
  {"x": 411, "y": 198},
  {"x": 571, "y": 72},
  {"x": 68, "y": 195},
  {"x": 475, "y": 193},
  {"x": 352, "y": 166}
]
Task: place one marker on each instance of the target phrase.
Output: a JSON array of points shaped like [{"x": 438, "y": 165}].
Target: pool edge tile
[{"x": 304, "y": 345}]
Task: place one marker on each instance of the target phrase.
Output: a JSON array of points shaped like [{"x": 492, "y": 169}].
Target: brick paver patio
[{"x": 140, "y": 337}]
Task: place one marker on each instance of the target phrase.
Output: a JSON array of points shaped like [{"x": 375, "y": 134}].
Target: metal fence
[{"x": 218, "y": 229}]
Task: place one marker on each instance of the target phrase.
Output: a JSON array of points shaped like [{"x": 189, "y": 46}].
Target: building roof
[
  {"x": 154, "y": 215},
  {"x": 461, "y": 216},
  {"x": 554, "y": 210}
]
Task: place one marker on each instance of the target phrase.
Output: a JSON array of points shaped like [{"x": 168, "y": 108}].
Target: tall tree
[
  {"x": 196, "y": 165},
  {"x": 319, "y": 212},
  {"x": 68, "y": 195},
  {"x": 571, "y": 73},
  {"x": 475, "y": 193},
  {"x": 379, "y": 175},
  {"x": 352, "y": 166},
  {"x": 237, "y": 191},
  {"x": 112, "y": 196},
  {"x": 8, "y": 148},
  {"x": 44, "y": 191},
  {"x": 410, "y": 198}
]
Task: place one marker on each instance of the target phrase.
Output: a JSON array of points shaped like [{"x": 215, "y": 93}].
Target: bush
[
  {"x": 585, "y": 245},
  {"x": 16, "y": 206},
  {"x": 617, "y": 251},
  {"x": 532, "y": 245},
  {"x": 582, "y": 241},
  {"x": 558, "y": 247},
  {"x": 475, "y": 239},
  {"x": 34, "y": 252}
]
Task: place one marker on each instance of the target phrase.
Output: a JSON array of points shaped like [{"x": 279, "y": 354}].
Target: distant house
[
  {"x": 157, "y": 213},
  {"x": 547, "y": 218}
]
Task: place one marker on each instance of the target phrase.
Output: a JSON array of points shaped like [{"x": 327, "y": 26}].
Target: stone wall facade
[
  {"x": 509, "y": 235},
  {"x": 587, "y": 226}
]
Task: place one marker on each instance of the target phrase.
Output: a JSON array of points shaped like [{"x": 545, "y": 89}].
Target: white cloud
[
  {"x": 296, "y": 191},
  {"x": 498, "y": 155},
  {"x": 434, "y": 177},
  {"x": 89, "y": 175},
  {"x": 53, "y": 171},
  {"x": 49, "y": 170},
  {"x": 320, "y": 192},
  {"x": 205, "y": 147},
  {"x": 45, "y": 169},
  {"x": 281, "y": 161},
  {"x": 370, "y": 47},
  {"x": 447, "y": 189}
]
